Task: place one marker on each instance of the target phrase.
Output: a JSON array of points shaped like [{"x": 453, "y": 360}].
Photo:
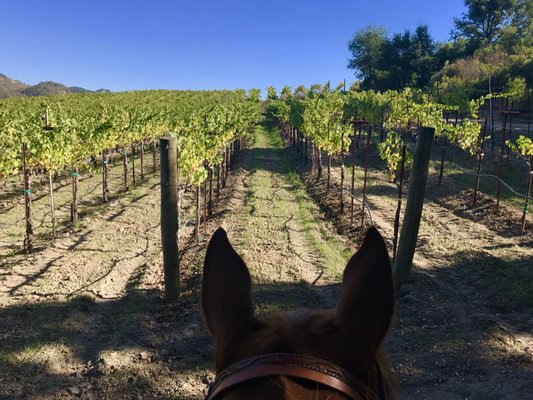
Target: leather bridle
[{"x": 296, "y": 366}]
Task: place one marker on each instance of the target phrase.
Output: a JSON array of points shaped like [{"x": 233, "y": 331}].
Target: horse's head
[{"x": 348, "y": 337}]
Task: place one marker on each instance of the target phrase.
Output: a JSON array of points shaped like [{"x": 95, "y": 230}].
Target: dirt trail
[
  {"x": 464, "y": 321},
  {"x": 84, "y": 317},
  {"x": 281, "y": 233}
]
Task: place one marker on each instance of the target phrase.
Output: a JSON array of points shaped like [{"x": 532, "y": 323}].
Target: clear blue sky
[{"x": 133, "y": 44}]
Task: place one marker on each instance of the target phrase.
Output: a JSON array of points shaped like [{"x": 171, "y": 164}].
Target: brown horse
[{"x": 301, "y": 354}]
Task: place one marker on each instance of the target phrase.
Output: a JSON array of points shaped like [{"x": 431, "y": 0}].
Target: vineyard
[{"x": 295, "y": 179}]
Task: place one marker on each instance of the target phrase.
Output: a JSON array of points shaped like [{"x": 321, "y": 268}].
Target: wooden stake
[
  {"x": 52, "y": 207},
  {"x": 28, "y": 239},
  {"x": 74, "y": 206},
  {"x": 169, "y": 217},
  {"x": 413, "y": 210}
]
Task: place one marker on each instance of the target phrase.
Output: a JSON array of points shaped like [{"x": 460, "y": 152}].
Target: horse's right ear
[
  {"x": 366, "y": 304},
  {"x": 226, "y": 287}
]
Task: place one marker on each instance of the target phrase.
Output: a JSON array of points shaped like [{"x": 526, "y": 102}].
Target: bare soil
[{"x": 84, "y": 317}]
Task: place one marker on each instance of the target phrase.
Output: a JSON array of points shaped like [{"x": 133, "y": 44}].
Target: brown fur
[{"x": 349, "y": 336}]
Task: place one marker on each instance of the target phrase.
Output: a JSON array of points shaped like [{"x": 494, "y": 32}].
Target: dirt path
[
  {"x": 464, "y": 321},
  {"x": 84, "y": 318}
]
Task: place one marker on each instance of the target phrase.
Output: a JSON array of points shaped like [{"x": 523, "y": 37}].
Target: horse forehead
[
  {"x": 302, "y": 318},
  {"x": 298, "y": 324}
]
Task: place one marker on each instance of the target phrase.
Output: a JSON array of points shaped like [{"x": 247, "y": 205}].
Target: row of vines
[
  {"x": 334, "y": 123},
  {"x": 50, "y": 134}
]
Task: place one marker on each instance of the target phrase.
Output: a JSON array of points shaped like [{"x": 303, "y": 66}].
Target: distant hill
[{"x": 12, "y": 88}]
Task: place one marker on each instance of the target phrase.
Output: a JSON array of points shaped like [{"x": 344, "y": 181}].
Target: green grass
[{"x": 333, "y": 252}]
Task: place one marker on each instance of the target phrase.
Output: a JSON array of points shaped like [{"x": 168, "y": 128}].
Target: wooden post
[
  {"x": 169, "y": 217},
  {"x": 28, "y": 239},
  {"x": 142, "y": 160},
  {"x": 210, "y": 202},
  {"x": 500, "y": 169},
  {"x": 197, "y": 216},
  {"x": 105, "y": 175},
  {"x": 205, "y": 204},
  {"x": 480, "y": 154},
  {"x": 352, "y": 191},
  {"x": 365, "y": 179},
  {"x": 153, "y": 156},
  {"x": 329, "y": 175},
  {"x": 528, "y": 195},
  {"x": 74, "y": 206},
  {"x": 133, "y": 163},
  {"x": 441, "y": 172},
  {"x": 225, "y": 167},
  {"x": 342, "y": 175},
  {"x": 319, "y": 162},
  {"x": 218, "y": 181},
  {"x": 382, "y": 130},
  {"x": 399, "y": 206},
  {"x": 415, "y": 203},
  {"x": 52, "y": 206},
  {"x": 125, "y": 164},
  {"x": 305, "y": 151}
]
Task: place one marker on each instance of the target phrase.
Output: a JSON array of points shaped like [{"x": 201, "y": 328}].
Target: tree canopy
[
  {"x": 405, "y": 59},
  {"x": 492, "y": 38}
]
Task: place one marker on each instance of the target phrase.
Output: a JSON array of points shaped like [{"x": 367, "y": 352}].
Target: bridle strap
[{"x": 291, "y": 365}]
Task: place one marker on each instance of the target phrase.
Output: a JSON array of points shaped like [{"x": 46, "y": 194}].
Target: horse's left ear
[
  {"x": 366, "y": 304},
  {"x": 226, "y": 287}
]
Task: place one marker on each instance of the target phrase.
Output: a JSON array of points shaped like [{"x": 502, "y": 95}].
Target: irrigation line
[{"x": 490, "y": 176}]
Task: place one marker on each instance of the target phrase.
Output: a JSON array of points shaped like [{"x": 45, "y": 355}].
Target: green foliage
[
  {"x": 484, "y": 20},
  {"x": 516, "y": 87},
  {"x": 83, "y": 126},
  {"x": 523, "y": 146},
  {"x": 323, "y": 122},
  {"x": 405, "y": 59},
  {"x": 326, "y": 117},
  {"x": 390, "y": 150}
]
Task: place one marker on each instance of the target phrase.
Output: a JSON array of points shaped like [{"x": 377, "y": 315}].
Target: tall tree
[
  {"x": 484, "y": 20},
  {"x": 406, "y": 59},
  {"x": 366, "y": 47}
]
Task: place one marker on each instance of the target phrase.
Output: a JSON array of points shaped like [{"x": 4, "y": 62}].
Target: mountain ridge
[{"x": 13, "y": 88}]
